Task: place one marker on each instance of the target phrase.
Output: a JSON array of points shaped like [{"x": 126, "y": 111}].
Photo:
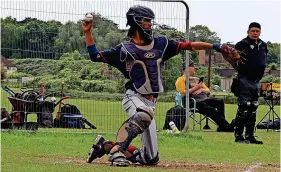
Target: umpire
[{"x": 245, "y": 85}]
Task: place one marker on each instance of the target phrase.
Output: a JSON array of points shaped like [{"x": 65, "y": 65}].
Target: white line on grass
[{"x": 250, "y": 169}]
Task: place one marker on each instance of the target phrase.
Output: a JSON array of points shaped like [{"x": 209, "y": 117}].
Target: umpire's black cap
[{"x": 254, "y": 24}]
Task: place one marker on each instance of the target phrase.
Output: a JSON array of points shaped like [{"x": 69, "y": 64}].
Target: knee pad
[
  {"x": 243, "y": 108},
  {"x": 147, "y": 110},
  {"x": 244, "y": 104},
  {"x": 142, "y": 118},
  {"x": 254, "y": 106}
]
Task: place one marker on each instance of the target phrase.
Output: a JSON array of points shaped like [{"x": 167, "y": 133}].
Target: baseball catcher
[{"x": 140, "y": 61}]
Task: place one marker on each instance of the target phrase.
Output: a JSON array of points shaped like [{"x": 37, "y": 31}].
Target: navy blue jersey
[
  {"x": 255, "y": 53},
  {"x": 112, "y": 56}
]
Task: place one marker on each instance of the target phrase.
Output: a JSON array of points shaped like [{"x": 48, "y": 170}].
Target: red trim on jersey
[
  {"x": 104, "y": 59},
  {"x": 184, "y": 46}
]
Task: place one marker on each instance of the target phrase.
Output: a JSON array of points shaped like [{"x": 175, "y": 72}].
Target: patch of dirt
[{"x": 167, "y": 164}]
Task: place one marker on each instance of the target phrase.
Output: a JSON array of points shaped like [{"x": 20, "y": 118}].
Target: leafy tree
[
  {"x": 204, "y": 34},
  {"x": 34, "y": 36},
  {"x": 70, "y": 38},
  {"x": 170, "y": 32},
  {"x": 216, "y": 80},
  {"x": 273, "y": 55},
  {"x": 113, "y": 38},
  {"x": 272, "y": 66},
  {"x": 16, "y": 75},
  {"x": 172, "y": 70},
  {"x": 11, "y": 34},
  {"x": 202, "y": 72},
  {"x": 270, "y": 78}
]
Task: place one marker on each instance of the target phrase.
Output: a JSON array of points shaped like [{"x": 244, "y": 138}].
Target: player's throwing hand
[{"x": 87, "y": 22}]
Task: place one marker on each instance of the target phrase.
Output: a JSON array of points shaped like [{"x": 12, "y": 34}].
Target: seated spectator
[{"x": 210, "y": 107}]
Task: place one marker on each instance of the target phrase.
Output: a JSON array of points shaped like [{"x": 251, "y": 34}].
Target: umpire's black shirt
[{"x": 255, "y": 52}]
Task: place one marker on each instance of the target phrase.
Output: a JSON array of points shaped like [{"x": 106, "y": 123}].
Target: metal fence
[{"x": 51, "y": 30}]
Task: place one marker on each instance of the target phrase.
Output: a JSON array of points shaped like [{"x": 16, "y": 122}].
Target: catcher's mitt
[{"x": 231, "y": 55}]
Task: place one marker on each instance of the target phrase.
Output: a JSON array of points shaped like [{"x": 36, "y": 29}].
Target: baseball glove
[{"x": 231, "y": 55}]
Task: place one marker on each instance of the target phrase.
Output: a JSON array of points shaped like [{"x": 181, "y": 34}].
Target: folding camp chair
[{"x": 193, "y": 111}]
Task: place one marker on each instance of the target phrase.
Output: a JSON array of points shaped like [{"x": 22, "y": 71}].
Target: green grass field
[{"x": 66, "y": 150}]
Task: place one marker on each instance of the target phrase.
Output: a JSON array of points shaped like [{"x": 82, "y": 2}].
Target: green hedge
[
  {"x": 167, "y": 97},
  {"x": 95, "y": 95},
  {"x": 98, "y": 86},
  {"x": 110, "y": 94}
]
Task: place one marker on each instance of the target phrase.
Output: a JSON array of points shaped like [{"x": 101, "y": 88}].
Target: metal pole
[
  {"x": 186, "y": 127},
  {"x": 209, "y": 68},
  {"x": 209, "y": 84}
]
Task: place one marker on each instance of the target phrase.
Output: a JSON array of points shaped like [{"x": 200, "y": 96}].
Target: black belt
[{"x": 151, "y": 97}]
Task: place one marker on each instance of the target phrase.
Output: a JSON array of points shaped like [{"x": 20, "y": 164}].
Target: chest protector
[{"x": 144, "y": 66}]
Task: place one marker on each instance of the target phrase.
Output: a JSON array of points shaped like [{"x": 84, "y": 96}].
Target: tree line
[
  {"x": 30, "y": 41},
  {"x": 33, "y": 38}
]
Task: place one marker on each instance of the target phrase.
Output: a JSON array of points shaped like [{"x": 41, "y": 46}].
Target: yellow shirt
[{"x": 180, "y": 84}]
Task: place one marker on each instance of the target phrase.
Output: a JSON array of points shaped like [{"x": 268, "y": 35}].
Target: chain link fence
[{"x": 44, "y": 43}]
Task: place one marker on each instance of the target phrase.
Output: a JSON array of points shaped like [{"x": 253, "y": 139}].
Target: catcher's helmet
[{"x": 134, "y": 16}]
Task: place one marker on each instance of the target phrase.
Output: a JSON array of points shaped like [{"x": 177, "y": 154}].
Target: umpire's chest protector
[{"x": 144, "y": 65}]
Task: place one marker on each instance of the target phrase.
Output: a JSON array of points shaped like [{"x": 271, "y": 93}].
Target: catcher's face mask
[{"x": 145, "y": 25}]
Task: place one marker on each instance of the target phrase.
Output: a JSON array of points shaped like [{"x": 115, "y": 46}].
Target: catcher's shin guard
[
  {"x": 131, "y": 128},
  {"x": 251, "y": 119},
  {"x": 134, "y": 126},
  {"x": 241, "y": 119}
]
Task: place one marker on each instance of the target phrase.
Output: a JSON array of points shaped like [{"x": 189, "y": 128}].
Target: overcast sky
[{"x": 230, "y": 19}]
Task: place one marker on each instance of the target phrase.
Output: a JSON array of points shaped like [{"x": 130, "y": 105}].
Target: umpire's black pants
[{"x": 247, "y": 92}]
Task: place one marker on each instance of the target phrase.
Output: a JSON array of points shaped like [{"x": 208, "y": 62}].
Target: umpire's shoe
[
  {"x": 252, "y": 140},
  {"x": 97, "y": 149},
  {"x": 240, "y": 139}
]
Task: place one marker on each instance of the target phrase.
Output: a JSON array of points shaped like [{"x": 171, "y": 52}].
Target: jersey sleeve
[
  {"x": 171, "y": 49},
  {"x": 174, "y": 48},
  {"x": 111, "y": 56}
]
